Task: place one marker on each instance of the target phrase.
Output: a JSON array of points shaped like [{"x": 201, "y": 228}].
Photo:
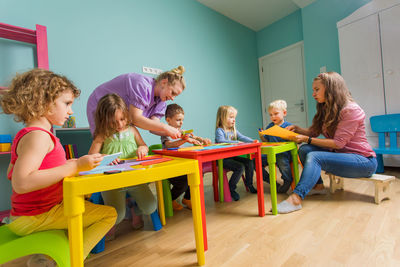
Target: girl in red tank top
[{"x": 40, "y": 99}]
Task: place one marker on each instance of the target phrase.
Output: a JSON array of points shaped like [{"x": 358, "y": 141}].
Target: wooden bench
[{"x": 382, "y": 183}]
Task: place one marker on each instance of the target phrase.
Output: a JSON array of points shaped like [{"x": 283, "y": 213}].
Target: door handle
[{"x": 301, "y": 104}]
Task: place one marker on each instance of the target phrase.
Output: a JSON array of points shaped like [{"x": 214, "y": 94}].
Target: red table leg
[
  {"x": 215, "y": 180},
  {"x": 260, "y": 185}
]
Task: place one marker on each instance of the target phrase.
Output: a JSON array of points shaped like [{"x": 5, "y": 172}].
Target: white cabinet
[
  {"x": 390, "y": 36},
  {"x": 370, "y": 61}
]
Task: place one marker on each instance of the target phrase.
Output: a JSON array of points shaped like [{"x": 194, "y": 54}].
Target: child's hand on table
[
  {"x": 116, "y": 161},
  {"x": 193, "y": 141},
  {"x": 88, "y": 162},
  {"x": 206, "y": 141},
  {"x": 142, "y": 151}
]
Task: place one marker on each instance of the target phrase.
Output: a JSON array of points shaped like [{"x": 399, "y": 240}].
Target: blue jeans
[
  {"x": 283, "y": 162},
  {"x": 315, "y": 159}
]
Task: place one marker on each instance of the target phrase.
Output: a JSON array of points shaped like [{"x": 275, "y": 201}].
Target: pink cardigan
[{"x": 350, "y": 133}]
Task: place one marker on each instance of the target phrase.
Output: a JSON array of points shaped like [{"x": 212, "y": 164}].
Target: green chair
[
  {"x": 53, "y": 243},
  {"x": 271, "y": 150}
]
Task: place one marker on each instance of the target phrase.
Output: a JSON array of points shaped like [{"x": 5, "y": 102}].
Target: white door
[
  {"x": 361, "y": 65},
  {"x": 282, "y": 77},
  {"x": 390, "y": 39}
]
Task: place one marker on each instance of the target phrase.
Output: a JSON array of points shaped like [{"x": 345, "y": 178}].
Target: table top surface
[
  {"x": 205, "y": 150},
  {"x": 278, "y": 146},
  {"x": 87, "y": 184}
]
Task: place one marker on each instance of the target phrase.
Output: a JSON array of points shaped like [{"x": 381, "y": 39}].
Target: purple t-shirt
[
  {"x": 134, "y": 89},
  {"x": 350, "y": 134}
]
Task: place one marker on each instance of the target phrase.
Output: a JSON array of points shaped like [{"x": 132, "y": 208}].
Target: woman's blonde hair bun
[
  {"x": 173, "y": 75},
  {"x": 178, "y": 70}
]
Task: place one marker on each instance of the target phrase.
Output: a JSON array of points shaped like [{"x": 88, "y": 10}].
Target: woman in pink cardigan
[{"x": 343, "y": 152}]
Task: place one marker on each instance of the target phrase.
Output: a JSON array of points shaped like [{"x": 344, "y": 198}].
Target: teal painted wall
[
  {"x": 95, "y": 40},
  {"x": 92, "y": 41},
  {"x": 285, "y": 32},
  {"x": 316, "y": 26},
  {"x": 321, "y": 44}
]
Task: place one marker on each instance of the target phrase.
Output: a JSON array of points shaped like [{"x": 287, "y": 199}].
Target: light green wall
[
  {"x": 93, "y": 41},
  {"x": 280, "y": 34}
]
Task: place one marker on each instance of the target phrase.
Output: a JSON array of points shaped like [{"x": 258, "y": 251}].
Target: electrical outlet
[
  {"x": 322, "y": 69},
  {"x": 151, "y": 70}
]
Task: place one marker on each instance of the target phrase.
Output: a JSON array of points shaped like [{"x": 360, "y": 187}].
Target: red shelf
[{"x": 1, "y": 153}]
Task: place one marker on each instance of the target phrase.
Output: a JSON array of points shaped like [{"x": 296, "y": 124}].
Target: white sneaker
[{"x": 41, "y": 260}]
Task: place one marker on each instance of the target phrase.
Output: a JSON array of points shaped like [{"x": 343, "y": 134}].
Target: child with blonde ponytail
[{"x": 226, "y": 132}]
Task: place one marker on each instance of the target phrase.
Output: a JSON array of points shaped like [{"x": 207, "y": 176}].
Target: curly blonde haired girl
[
  {"x": 31, "y": 94},
  {"x": 41, "y": 99}
]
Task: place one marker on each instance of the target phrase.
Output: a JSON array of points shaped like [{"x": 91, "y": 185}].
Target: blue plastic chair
[
  {"x": 97, "y": 199},
  {"x": 386, "y": 125},
  {"x": 53, "y": 243}
]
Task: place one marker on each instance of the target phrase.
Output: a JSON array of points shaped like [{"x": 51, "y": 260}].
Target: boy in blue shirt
[
  {"x": 174, "y": 115},
  {"x": 277, "y": 113}
]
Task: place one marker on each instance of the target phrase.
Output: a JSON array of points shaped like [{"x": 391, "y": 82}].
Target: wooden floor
[{"x": 344, "y": 229}]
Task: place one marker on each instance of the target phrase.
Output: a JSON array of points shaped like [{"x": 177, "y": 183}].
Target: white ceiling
[{"x": 255, "y": 14}]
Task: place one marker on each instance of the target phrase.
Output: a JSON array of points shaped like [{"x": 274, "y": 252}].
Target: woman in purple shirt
[
  {"x": 145, "y": 97},
  {"x": 344, "y": 151}
]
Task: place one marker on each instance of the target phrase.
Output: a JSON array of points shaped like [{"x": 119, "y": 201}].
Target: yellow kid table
[
  {"x": 271, "y": 149},
  {"x": 75, "y": 188}
]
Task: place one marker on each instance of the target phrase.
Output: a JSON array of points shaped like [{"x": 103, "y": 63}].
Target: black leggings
[{"x": 179, "y": 185}]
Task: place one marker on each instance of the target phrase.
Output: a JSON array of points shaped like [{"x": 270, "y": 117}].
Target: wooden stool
[{"x": 382, "y": 183}]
